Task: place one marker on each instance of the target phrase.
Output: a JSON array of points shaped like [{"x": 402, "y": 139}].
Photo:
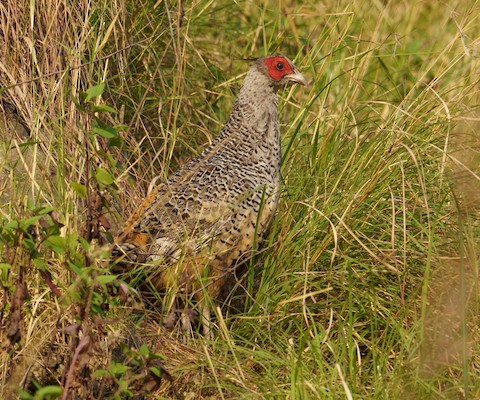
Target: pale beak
[{"x": 296, "y": 77}]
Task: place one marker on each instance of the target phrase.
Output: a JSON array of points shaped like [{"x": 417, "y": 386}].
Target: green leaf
[
  {"x": 48, "y": 392},
  {"x": 144, "y": 350},
  {"x": 112, "y": 161},
  {"x": 106, "y": 132},
  {"x": 12, "y": 225},
  {"x": 76, "y": 268},
  {"x": 96, "y": 309},
  {"x": 156, "y": 371},
  {"x": 40, "y": 263},
  {"x": 27, "y": 223},
  {"x": 104, "y": 279},
  {"x": 103, "y": 108},
  {"x": 100, "y": 372},
  {"x": 115, "y": 142},
  {"x": 120, "y": 128},
  {"x": 76, "y": 102},
  {"x": 30, "y": 245},
  {"x": 94, "y": 91},
  {"x": 103, "y": 176},
  {"x": 154, "y": 356},
  {"x": 56, "y": 243},
  {"x": 85, "y": 244},
  {"x": 45, "y": 210},
  {"x": 24, "y": 395},
  {"x": 4, "y": 268},
  {"x": 79, "y": 189},
  {"x": 118, "y": 369},
  {"x": 123, "y": 388}
]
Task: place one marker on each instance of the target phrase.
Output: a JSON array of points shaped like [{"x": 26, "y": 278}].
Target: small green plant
[
  {"x": 140, "y": 372},
  {"x": 43, "y": 393},
  {"x": 100, "y": 165},
  {"x": 72, "y": 265}
]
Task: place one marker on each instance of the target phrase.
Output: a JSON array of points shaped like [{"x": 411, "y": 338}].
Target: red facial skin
[{"x": 278, "y": 67}]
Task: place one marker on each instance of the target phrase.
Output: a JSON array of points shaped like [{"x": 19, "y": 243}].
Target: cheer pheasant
[{"x": 190, "y": 230}]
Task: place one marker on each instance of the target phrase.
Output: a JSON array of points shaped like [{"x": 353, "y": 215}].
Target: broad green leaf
[
  {"x": 75, "y": 268},
  {"x": 117, "y": 368},
  {"x": 101, "y": 372},
  {"x": 40, "y": 263},
  {"x": 48, "y": 392},
  {"x": 94, "y": 91},
  {"x": 107, "y": 132},
  {"x": 156, "y": 371},
  {"x": 103, "y": 108},
  {"x": 27, "y": 223},
  {"x": 103, "y": 279},
  {"x": 56, "y": 243},
  {"x": 11, "y": 225},
  {"x": 79, "y": 189},
  {"x": 4, "y": 268},
  {"x": 103, "y": 176},
  {"x": 120, "y": 128},
  {"x": 45, "y": 210},
  {"x": 24, "y": 395},
  {"x": 144, "y": 350}
]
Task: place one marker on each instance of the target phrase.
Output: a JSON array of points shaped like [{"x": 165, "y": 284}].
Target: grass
[{"x": 367, "y": 286}]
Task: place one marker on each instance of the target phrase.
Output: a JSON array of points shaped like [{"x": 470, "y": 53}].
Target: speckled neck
[
  {"x": 255, "y": 112},
  {"x": 251, "y": 135}
]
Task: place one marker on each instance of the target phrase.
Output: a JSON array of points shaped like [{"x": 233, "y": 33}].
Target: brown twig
[{"x": 83, "y": 345}]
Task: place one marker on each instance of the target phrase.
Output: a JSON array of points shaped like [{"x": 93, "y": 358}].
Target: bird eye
[{"x": 280, "y": 66}]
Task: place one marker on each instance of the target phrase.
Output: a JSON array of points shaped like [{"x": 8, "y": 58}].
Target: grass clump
[{"x": 367, "y": 286}]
